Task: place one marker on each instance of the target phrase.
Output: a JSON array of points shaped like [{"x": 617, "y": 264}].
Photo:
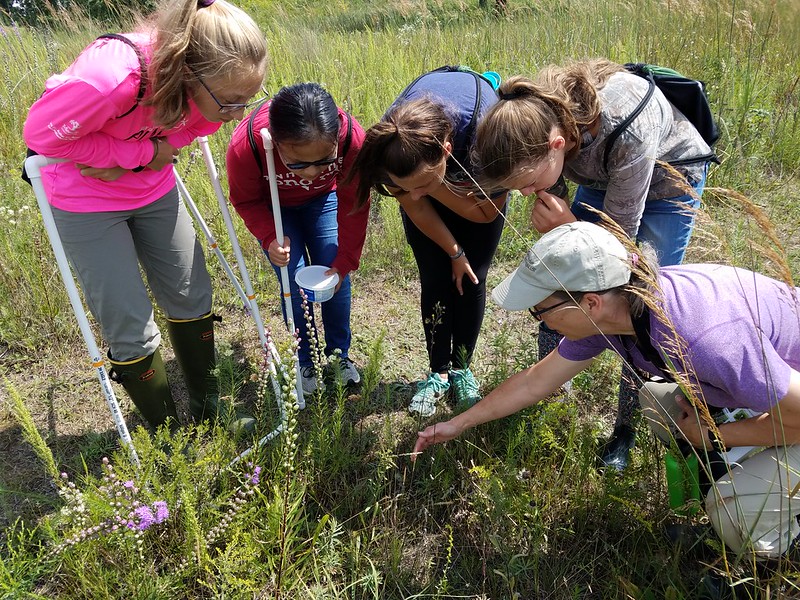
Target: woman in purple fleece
[{"x": 729, "y": 335}]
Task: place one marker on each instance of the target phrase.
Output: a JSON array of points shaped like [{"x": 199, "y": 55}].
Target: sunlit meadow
[{"x": 332, "y": 507}]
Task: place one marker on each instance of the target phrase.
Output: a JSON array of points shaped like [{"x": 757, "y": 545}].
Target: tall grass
[
  {"x": 747, "y": 58},
  {"x": 514, "y": 509}
]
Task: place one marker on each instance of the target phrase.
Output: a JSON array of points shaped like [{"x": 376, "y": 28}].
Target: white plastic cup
[{"x": 317, "y": 286}]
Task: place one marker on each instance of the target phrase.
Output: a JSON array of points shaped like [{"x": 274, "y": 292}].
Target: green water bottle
[{"x": 683, "y": 482}]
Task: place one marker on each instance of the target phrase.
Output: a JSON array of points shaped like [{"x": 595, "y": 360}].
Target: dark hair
[
  {"x": 302, "y": 113},
  {"x": 410, "y": 135}
]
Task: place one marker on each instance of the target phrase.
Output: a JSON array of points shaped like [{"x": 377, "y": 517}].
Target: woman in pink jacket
[{"x": 119, "y": 115}]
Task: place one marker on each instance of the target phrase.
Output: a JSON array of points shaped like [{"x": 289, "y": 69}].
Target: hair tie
[
  {"x": 204, "y": 3},
  {"x": 634, "y": 259},
  {"x": 510, "y": 95}
]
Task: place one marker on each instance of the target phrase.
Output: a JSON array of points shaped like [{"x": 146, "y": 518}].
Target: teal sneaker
[
  {"x": 428, "y": 393},
  {"x": 466, "y": 386}
]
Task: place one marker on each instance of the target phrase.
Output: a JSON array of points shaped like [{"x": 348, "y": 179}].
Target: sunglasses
[
  {"x": 537, "y": 314},
  {"x": 304, "y": 165},
  {"x": 297, "y": 166},
  {"x": 230, "y": 108}
]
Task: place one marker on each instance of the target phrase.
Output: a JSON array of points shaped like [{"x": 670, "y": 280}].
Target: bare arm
[
  {"x": 428, "y": 221},
  {"x": 522, "y": 390},
  {"x": 778, "y": 427}
]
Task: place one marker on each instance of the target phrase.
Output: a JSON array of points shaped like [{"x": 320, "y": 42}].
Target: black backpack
[
  {"x": 687, "y": 95},
  {"x": 251, "y": 136},
  {"x": 139, "y": 95}
]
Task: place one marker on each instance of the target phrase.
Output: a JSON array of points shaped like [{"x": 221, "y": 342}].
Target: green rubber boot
[
  {"x": 145, "y": 380},
  {"x": 193, "y": 342}
]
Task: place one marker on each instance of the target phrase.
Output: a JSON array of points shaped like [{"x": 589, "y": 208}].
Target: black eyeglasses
[
  {"x": 316, "y": 163},
  {"x": 297, "y": 166},
  {"x": 229, "y": 108},
  {"x": 537, "y": 314}
]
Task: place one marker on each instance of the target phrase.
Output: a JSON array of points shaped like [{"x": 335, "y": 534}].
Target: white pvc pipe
[
  {"x": 276, "y": 213},
  {"x": 33, "y": 167},
  {"x": 250, "y": 297},
  {"x": 247, "y": 295},
  {"x": 212, "y": 242}
]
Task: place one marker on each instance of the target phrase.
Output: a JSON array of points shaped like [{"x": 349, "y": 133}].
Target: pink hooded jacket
[{"x": 78, "y": 118}]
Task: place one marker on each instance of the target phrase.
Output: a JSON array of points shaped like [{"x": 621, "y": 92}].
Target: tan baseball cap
[{"x": 574, "y": 257}]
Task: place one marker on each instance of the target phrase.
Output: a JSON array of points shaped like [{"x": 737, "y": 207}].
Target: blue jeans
[
  {"x": 666, "y": 224},
  {"x": 313, "y": 231}
]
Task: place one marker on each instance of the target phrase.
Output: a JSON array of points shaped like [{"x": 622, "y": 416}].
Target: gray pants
[
  {"x": 105, "y": 250},
  {"x": 753, "y": 507}
]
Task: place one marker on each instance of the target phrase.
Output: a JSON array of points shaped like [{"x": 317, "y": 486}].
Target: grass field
[{"x": 514, "y": 509}]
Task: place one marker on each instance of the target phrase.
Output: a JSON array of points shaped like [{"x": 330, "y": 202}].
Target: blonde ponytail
[
  {"x": 516, "y": 130},
  {"x": 199, "y": 41}
]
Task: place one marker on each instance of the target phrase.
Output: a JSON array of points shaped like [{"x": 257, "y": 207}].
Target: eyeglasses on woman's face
[
  {"x": 538, "y": 314},
  {"x": 232, "y": 107}
]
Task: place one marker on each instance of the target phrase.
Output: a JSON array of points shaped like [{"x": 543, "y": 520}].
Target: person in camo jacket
[{"x": 560, "y": 124}]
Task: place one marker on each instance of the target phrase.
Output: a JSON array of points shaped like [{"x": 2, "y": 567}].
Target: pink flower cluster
[{"x": 122, "y": 497}]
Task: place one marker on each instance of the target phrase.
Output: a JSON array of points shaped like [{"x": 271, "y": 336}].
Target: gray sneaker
[
  {"x": 348, "y": 371},
  {"x": 308, "y": 380}
]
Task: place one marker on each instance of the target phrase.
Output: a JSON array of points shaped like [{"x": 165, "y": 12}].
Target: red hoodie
[{"x": 249, "y": 188}]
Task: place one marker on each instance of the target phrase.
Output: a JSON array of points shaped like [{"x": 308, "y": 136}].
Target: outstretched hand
[
  {"x": 434, "y": 434},
  {"x": 549, "y": 212}
]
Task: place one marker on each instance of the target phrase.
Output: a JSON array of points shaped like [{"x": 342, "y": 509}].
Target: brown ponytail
[{"x": 411, "y": 135}]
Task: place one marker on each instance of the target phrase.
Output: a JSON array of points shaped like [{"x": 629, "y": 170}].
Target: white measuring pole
[
  {"x": 247, "y": 294},
  {"x": 276, "y": 213},
  {"x": 33, "y": 167}
]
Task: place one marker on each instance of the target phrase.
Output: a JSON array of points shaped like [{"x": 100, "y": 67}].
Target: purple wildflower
[
  {"x": 162, "y": 512},
  {"x": 128, "y": 484},
  {"x": 254, "y": 478},
  {"x": 146, "y": 517}
]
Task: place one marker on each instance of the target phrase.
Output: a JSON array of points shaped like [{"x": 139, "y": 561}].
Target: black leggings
[{"x": 452, "y": 322}]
